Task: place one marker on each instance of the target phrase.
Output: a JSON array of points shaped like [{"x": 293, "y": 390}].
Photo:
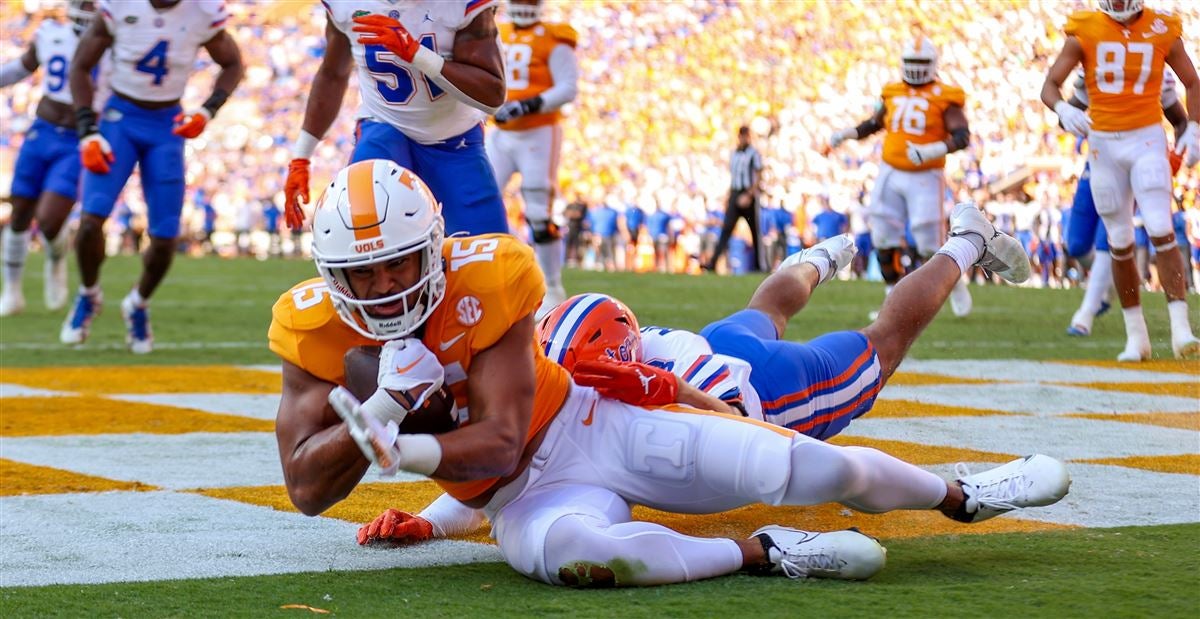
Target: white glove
[
  {"x": 924, "y": 153},
  {"x": 838, "y": 137},
  {"x": 1073, "y": 119},
  {"x": 1190, "y": 142},
  {"x": 828, "y": 256},
  {"x": 376, "y": 440},
  {"x": 410, "y": 370}
]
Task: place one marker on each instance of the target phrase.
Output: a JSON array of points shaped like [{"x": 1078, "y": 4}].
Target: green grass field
[{"x": 217, "y": 311}]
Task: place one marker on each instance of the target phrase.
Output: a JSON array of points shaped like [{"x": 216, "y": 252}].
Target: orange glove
[
  {"x": 95, "y": 153},
  {"x": 395, "y": 527},
  {"x": 1176, "y": 160},
  {"x": 628, "y": 381},
  {"x": 192, "y": 124},
  {"x": 295, "y": 190},
  {"x": 391, "y": 34}
]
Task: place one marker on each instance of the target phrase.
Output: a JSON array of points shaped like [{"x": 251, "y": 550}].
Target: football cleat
[
  {"x": 960, "y": 299},
  {"x": 1137, "y": 349},
  {"x": 833, "y": 253},
  {"x": 137, "y": 326},
  {"x": 1186, "y": 346},
  {"x": 1002, "y": 254},
  {"x": 79, "y": 321},
  {"x": 1032, "y": 481},
  {"x": 55, "y": 271},
  {"x": 12, "y": 300},
  {"x": 845, "y": 555}
]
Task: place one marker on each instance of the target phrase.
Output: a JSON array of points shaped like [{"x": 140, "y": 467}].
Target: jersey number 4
[
  {"x": 155, "y": 62},
  {"x": 1110, "y": 66},
  {"x": 395, "y": 81}
]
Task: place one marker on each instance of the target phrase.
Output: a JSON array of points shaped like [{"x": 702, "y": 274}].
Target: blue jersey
[
  {"x": 603, "y": 220},
  {"x": 658, "y": 224},
  {"x": 829, "y": 224}
]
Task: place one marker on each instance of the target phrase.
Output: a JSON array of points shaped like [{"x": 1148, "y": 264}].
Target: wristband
[
  {"x": 382, "y": 406},
  {"x": 305, "y": 145},
  {"x": 428, "y": 61},
  {"x": 215, "y": 101},
  {"x": 85, "y": 122},
  {"x": 419, "y": 453}
]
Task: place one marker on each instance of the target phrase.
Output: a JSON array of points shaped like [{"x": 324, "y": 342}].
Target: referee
[{"x": 745, "y": 168}]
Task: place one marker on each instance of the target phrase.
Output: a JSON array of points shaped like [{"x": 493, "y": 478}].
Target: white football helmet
[
  {"x": 1120, "y": 10},
  {"x": 524, "y": 14},
  {"x": 918, "y": 61},
  {"x": 374, "y": 212}
]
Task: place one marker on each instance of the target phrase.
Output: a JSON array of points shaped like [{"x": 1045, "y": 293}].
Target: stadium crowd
[{"x": 664, "y": 87}]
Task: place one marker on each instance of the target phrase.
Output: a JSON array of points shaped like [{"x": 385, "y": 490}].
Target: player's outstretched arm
[
  {"x": 19, "y": 68},
  {"x": 1070, "y": 117},
  {"x": 225, "y": 52},
  {"x": 868, "y": 127},
  {"x": 321, "y": 462}
]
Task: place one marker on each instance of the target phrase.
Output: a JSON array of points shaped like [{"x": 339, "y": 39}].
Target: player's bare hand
[
  {"x": 387, "y": 32},
  {"x": 395, "y": 527},
  {"x": 295, "y": 191}
]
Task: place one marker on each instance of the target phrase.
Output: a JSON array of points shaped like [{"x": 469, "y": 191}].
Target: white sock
[
  {"x": 1181, "y": 327},
  {"x": 136, "y": 297},
  {"x": 550, "y": 259},
  {"x": 1098, "y": 282},
  {"x": 16, "y": 247},
  {"x": 89, "y": 291},
  {"x": 56, "y": 248},
  {"x": 1135, "y": 324},
  {"x": 963, "y": 251}
]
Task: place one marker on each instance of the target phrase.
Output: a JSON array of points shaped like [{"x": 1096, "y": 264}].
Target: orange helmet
[{"x": 588, "y": 327}]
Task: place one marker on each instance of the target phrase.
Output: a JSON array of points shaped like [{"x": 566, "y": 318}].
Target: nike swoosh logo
[
  {"x": 408, "y": 367},
  {"x": 444, "y": 346},
  {"x": 591, "y": 413}
]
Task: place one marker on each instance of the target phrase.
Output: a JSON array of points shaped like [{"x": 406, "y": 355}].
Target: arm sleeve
[
  {"x": 564, "y": 70},
  {"x": 218, "y": 14}
]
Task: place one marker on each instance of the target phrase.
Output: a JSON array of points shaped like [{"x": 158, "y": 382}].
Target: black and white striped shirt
[{"x": 744, "y": 165}]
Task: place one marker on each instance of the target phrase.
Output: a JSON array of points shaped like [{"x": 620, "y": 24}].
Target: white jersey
[
  {"x": 1169, "y": 95},
  {"x": 689, "y": 357},
  {"x": 55, "y": 45},
  {"x": 395, "y": 92},
  {"x": 154, "y": 51}
]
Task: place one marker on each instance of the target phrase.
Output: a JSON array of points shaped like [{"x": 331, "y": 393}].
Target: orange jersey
[
  {"x": 492, "y": 282},
  {"x": 527, "y": 67},
  {"x": 1123, "y": 66},
  {"x": 915, "y": 114}
]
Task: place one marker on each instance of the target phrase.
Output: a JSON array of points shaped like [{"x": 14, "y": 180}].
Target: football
[{"x": 437, "y": 415}]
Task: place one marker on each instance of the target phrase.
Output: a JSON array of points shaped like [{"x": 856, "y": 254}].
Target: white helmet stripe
[{"x": 568, "y": 325}]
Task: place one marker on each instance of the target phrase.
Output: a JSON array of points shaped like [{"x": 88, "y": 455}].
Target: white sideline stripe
[
  {"x": 140, "y": 536},
  {"x": 1039, "y": 371},
  {"x": 1040, "y": 399},
  {"x": 258, "y": 406},
  {"x": 11, "y": 390},
  {"x": 1061, "y": 437},
  {"x": 173, "y": 461},
  {"x": 1113, "y": 496},
  {"x": 158, "y": 345},
  {"x": 274, "y": 369}
]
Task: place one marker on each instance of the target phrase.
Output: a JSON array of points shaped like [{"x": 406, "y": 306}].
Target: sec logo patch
[{"x": 470, "y": 311}]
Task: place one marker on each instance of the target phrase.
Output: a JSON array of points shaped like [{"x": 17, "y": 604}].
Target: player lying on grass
[
  {"x": 553, "y": 465},
  {"x": 815, "y": 388}
]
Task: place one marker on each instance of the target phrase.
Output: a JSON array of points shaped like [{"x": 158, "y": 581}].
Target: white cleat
[
  {"x": 1136, "y": 351},
  {"x": 835, "y": 253},
  {"x": 845, "y": 555},
  {"x": 554, "y": 296},
  {"x": 1185, "y": 347},
  {"x": 12, "y": 301},
  {"x": 1032, "y": 481},
  {"x": 960, "y": 299},
  {"x": 1002, "y": 254},
  {"x": 55, "y": 291},
  {"x": 138, "y": 335},
  {"x": 78, "y": 324}
]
